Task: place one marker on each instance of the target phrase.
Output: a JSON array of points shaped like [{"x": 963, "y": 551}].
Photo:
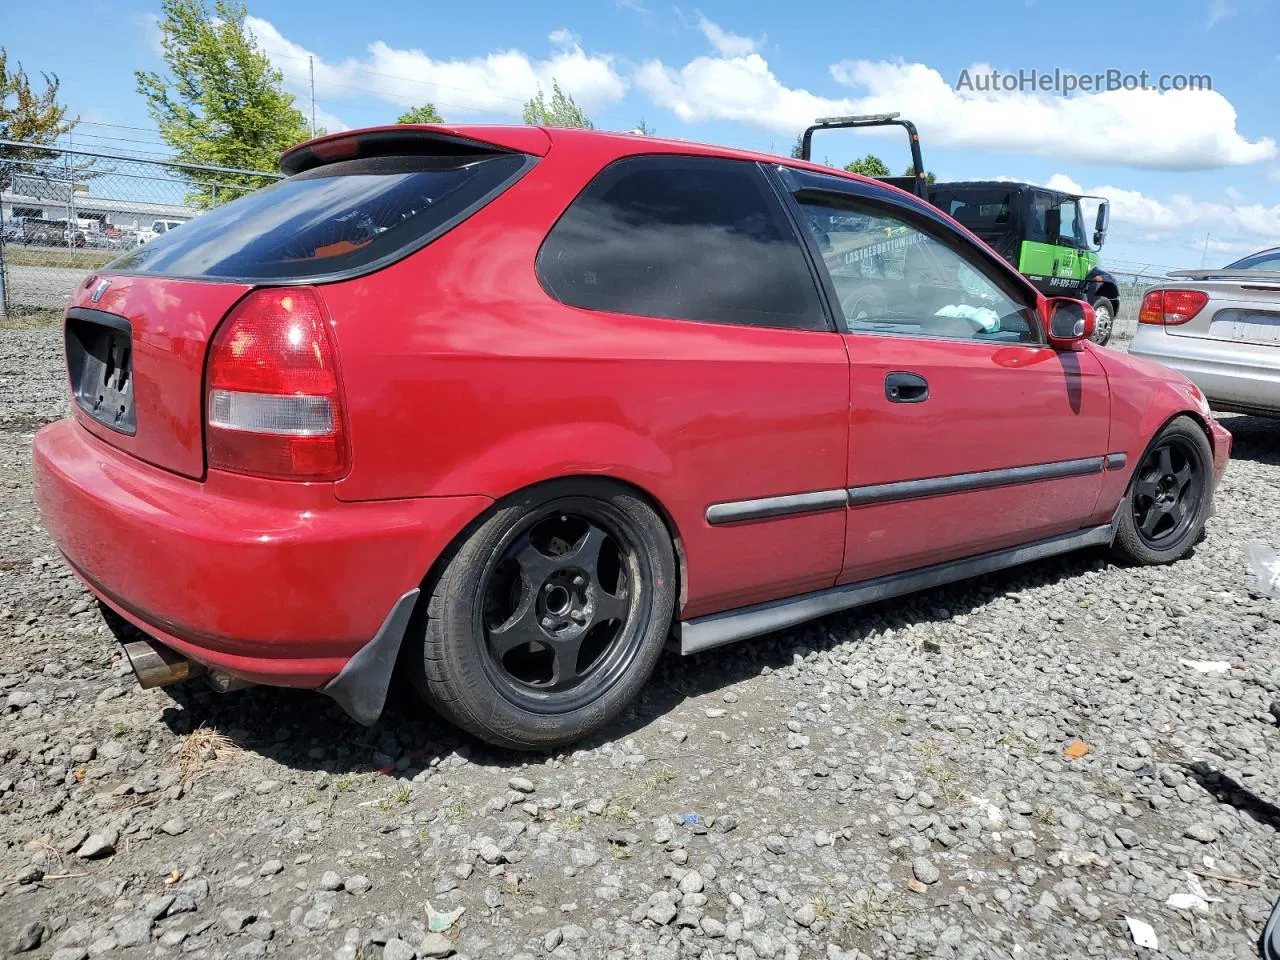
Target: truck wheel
[
  {"x": 1169, "y": 499},
  {"x": 550, "y": 617},
  {"x": 1105, "y": 318}
]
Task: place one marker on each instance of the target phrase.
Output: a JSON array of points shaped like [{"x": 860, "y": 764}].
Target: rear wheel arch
[{"x": 653, "y": 502}]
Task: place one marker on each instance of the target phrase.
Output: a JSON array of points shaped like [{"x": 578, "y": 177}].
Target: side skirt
[{"x": 717, "y": 629}]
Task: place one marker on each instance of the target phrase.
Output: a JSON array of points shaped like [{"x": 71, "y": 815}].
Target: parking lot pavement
[{"x": 1009, "y": 767}]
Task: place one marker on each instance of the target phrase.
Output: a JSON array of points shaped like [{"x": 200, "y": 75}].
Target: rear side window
[
  {"x": 684, "y": 238},
  {"x": 335, "y": 220}
]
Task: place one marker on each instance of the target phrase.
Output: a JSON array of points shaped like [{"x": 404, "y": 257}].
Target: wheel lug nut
[
  {"x": 548, "y": 623},
  {"x": 547, "y": 588},
  {"x": 579, "y": 581},
  {"x": 579, "y": 617}
]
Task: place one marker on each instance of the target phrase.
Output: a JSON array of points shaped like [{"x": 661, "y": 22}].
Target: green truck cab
[{"x": 1042, "y": 232}]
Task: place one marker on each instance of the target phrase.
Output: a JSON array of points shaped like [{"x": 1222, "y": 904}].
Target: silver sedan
[{"x": 1221, "y": 329}]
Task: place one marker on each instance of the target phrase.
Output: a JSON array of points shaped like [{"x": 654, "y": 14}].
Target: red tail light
[
  {"x": 1181, "y": 305},
  {"x": 274, "y": 402},
  {"x": 1171, "y": 307},
  {"x": 1152, "y": 309}
]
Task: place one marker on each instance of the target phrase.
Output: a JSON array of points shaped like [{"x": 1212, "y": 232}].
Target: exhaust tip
[{"x": 155, "y": 665}]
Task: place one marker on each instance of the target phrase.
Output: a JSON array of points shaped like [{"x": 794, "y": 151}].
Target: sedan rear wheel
[
  {"x": 550, "y": 616},
  {"x": 1169, "y": 496}
]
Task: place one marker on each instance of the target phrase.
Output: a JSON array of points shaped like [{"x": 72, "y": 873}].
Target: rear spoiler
[
  {"x": 414, "y": 138},
  {"x": 1235, "y": 276}
]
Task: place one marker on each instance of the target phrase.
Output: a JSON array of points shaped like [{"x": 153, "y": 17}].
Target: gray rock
[
  {"x": 174, "y": 827},
  {"x": 521, "y": 784},
  {"x": 330, "y": 880},
  {"x": 98, "y": 845},
  {"x": 270, "y": 868},
  {"x": 662, "y": 913},
  {"x": 358, "y": 884},
  {"x": 397, "y": 949},
  {"x": 1202, "y": 831},
  {"x": 70, "y": 953},
  {"x": 435, "y": 945},
  {"x": 30, "y": 936},
  {"x": 925, "y": 870},
  {"x": 234, "y": 920},
  {"x": 133, "y": 931}
]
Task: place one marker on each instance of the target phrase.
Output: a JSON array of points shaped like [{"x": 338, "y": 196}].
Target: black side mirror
[{"x": 1100, "y": 224}]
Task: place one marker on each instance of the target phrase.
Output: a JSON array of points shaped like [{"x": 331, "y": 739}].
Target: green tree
[
  {"x": 797, "y": 148},
  {"x": 869, "y": 166},
  {"x": 929, "y": 178},
  {"x": 644, "y": 130},
  {"x": 427, "y": 113},
  {"x": 221, "y": 102},
  {"x": 561, "y": 112},
  {"x": 27, "y": 114}
]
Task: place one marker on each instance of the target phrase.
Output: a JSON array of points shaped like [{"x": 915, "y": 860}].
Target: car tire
[
  {"x": 547, "y": 620},
  {"x": 1104, "y": 312},
  {"x": 1169, "y": 498}
]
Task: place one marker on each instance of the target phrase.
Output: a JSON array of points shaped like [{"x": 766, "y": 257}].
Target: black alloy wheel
[
  {"x": 1166, "y": 494},
  {"x": 1169, "y": 498},
  {"x": 561, "y": 607},
  {"x": 548, "y": 618}
]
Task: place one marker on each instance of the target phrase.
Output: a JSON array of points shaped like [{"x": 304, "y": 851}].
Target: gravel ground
[{"x": 901, "y": 782}]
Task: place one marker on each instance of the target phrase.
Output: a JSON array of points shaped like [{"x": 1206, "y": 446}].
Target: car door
[{"x": 968, "y": 433}]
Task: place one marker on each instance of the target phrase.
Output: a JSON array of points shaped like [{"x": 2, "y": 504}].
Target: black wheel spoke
[
  {"x": 1183, "y": 477},
  {"x": 1146, "y": 487},
  {"x": 1151, "y": 520},
  {"x": 586, "y": 552},
  {"x": 608, "y": 607},
  {"x": 534, "y": 564},
  {"x": 564, "y": 669},
  {"x": 1166, "y": 461},
  {"x": 1174, "y": 512},
  {"x": 522, "y": 628}
]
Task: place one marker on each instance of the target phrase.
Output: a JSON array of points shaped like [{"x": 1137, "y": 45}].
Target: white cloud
[
  {"x": 1218, "y": 11},
  {"x": 1235, "y": 227},
  {"x": 1181, "y": 130},
  {"x": 498, "y": 83},
  {"x": 725, "y": 43}
]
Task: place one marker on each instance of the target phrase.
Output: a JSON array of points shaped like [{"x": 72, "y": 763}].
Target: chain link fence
[{"x": 66, "y": 213}]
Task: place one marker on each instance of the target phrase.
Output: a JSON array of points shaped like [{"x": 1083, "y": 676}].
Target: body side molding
[{"x": 765, "y": 508}]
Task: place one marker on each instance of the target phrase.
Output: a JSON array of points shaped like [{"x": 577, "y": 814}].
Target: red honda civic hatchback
[{"x": 509, "y": 408}]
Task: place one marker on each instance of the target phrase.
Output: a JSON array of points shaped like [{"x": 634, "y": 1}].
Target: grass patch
[
  {"x": 348, "y": 781},
  {"x": 867, "y": 908},
  {"x": 398, "y": 798},
  {"x": 31, "y": 319},
  {"x": 202, "y": 747},
  {"x": 457, "y": 812},
  {"x": 18, "y": 255}
]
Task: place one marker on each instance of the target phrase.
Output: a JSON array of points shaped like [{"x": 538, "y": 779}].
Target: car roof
[{"x": 539, "y": 141}]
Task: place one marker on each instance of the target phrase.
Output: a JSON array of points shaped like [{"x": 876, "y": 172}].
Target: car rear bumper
[
  {"x": 1233, "y": 376},
  {"x": 267, "y": 581}
]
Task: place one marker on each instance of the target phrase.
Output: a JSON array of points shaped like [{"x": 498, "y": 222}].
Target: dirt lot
[{"x": 901, "y": 782}]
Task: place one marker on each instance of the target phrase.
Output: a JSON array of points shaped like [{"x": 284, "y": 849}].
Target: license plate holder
[{"x": 100, "y": 366}]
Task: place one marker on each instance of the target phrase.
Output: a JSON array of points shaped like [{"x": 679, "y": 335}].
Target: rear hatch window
[{"x": 332, "y": 222}]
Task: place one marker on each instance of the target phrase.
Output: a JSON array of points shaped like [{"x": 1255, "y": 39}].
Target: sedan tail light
[
  {"x": 1169, "y": 308},
  {"x": 274, "y": 401}
]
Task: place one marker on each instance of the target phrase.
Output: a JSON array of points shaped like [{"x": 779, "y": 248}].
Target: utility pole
[
  {"x": 311, "y": 69},
  {"x": 1205, "y": 253}
]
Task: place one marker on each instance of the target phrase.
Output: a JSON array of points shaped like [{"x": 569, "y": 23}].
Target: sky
[{"x": 1193, "y": 175}]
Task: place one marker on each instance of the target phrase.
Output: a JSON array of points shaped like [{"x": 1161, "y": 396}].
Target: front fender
[{"x": 1144, "y": 397}]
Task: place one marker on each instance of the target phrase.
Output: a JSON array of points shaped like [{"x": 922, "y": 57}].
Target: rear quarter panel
[{"x": 461, "y": 373}]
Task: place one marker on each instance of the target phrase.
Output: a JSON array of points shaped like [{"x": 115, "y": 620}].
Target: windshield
[
  {"x": 327, "y": 221},
  {"x": 1266, "y": 260}
]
